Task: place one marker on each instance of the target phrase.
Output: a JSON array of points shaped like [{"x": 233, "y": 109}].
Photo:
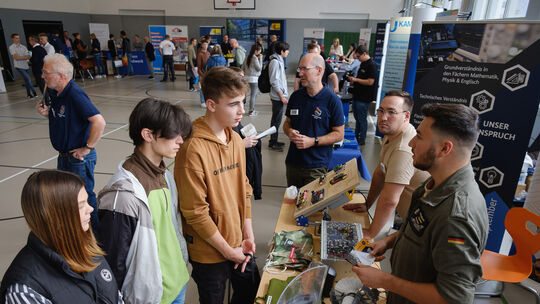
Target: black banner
[{"x": 495, "y": 69}]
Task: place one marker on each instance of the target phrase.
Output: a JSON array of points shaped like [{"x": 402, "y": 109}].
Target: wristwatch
[
  {"x": 316, "y": 141},
  {"x": 88, "y": 147}
]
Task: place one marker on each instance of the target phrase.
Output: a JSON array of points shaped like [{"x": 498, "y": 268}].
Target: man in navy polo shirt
[
  {"x": 75, "y": 125},
  {"x": 314, "y": 123}
]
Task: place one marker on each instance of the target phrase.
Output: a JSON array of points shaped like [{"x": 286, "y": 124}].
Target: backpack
[{"x": 264, "y": 79}]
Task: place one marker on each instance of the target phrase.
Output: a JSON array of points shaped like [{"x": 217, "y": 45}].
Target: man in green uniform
[{"x": 436, "y": 252}]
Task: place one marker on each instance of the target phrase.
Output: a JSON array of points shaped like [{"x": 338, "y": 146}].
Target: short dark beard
[{"x": 427, "y": 160}]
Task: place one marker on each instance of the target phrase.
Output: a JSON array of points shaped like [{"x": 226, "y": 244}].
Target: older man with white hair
[
  {"x": 239, "y": 53},
  {"x": 75, "y": 125}
]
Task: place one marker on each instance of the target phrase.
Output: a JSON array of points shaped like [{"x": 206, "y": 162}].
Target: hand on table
[{"x": 356, "y": 207}]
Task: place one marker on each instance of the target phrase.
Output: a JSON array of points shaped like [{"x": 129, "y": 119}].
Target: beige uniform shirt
[{"x": 397, "y": 164}]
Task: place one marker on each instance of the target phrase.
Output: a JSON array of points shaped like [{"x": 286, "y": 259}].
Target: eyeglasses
[
  {"x": 303, "y": 69},
  {"x": 48, "y": 73},
  {"x": 381, "y": 112}
]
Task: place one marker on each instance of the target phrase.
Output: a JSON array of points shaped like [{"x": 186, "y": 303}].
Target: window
[
  {"x": 499, "y": 9},
  {"x": 516, "y": 8}
]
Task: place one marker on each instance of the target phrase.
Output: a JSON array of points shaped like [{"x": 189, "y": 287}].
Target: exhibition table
[
  {"x": 343, "y": 155},
  {"x": 339, "y": 74},
  {"x": 287, "y": 222},
  {"x": 138, "y": 61}
]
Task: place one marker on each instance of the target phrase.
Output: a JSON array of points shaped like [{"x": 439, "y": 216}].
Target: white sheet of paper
[{"x": 270, "y": 131}]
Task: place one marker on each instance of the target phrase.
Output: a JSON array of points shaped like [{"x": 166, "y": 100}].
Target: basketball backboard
[{"x": 234, "y": 4}]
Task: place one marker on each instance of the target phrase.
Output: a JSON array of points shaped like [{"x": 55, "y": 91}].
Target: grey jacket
[
  {"x": 239, "y": 55},
  {"x": 278, "y": 80},
  {"x": 143, "y": 278},
  {"x": 253, "y": 71}
]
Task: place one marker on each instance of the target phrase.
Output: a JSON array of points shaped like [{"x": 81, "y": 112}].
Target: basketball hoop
[
  {"x": 233, "y": 2},
  {"x": 234, "y": 5}
]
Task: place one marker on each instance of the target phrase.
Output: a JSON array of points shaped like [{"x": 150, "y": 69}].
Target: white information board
[{"x": 101, "y": 30}]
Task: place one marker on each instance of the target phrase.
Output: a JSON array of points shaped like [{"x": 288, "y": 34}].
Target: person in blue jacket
[{"x": 216, "y": 58}]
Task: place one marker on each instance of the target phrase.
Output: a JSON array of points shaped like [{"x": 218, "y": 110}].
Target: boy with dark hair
[
  {"x": 215, "y": 194},
  {"x": 140, "y": 224}
]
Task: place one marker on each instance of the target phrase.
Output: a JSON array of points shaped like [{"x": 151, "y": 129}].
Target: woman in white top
[
  {"x": 336, "y": 50},
  {"x": 252, "y": 69},
  {"x": 349, "y": 57}
]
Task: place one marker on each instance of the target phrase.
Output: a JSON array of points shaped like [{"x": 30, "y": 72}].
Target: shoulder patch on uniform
[
  {"x": 460, "y": 206},
  {"x": 418, "y": 221},
  {"x": 456, "y": 240}
]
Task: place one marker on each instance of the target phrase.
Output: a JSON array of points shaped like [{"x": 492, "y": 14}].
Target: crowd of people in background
[
  {"x": 202, "y": 214},
  {"x": 202, "y": 54}
]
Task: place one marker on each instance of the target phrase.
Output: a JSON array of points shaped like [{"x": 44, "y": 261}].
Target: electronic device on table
[
  {"x": 338, "y": 239},
  {"x": 332, "y": 190}
]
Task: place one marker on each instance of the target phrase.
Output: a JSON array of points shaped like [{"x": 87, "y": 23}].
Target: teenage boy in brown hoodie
[{"x": 214, "y": 194}]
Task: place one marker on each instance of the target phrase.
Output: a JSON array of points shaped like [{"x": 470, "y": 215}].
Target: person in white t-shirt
[
  {"x": 21, "y": 56},
  {"x": 44, "y": 42},
  {"x": 167, "y": 48}
]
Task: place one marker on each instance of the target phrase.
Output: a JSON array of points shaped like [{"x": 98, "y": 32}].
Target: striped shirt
[{"x": 20, "y": 293}]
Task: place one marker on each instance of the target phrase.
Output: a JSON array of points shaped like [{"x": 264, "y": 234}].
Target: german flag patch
[{"x": 456, "y": 240}]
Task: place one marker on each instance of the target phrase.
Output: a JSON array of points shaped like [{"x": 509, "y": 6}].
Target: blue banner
[
  {"x": 138, "y": 61},
  {"x": 157, "y": 34},
  {"x": 496, "y": 209},
  {"x": 380, "y": 35},
  {"x": 493, "y": 68},
  {"x": 396, "y": 54},
  {"x": 215, "y": 32}
]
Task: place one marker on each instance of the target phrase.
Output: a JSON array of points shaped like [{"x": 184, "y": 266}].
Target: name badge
[{"x": 294, "y": 111}]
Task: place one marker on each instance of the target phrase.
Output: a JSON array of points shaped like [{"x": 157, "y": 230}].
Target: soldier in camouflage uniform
[{"x": 436, "y": 252}]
